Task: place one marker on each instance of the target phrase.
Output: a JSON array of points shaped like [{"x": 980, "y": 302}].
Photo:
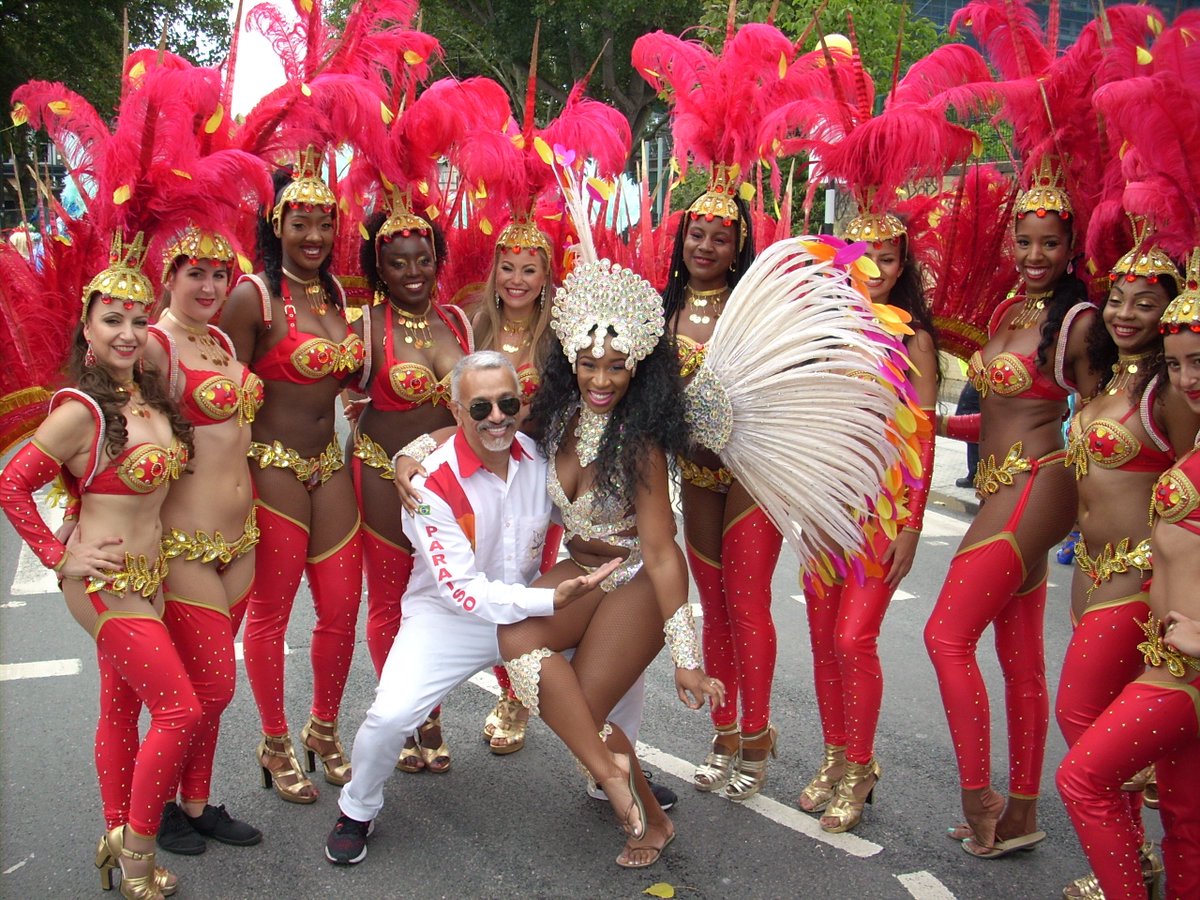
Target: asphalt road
[{"x": 522, "y": 825}]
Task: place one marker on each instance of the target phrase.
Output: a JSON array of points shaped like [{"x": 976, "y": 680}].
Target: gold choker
[
  {"x": 313, "y": 290},
  {"x": 1125, "y": 368},
  {"x": 1031, "y": 311},
  {"x": 416, "y": 326},
  {"x": 698, "y": 300}
]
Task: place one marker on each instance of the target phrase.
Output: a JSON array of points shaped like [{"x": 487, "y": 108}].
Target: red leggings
[
  {"x": 204, "y": 640},
  {"x": 843, "y": 623},
  {"x": 738, "y": 633},
  {"x": 140, "y": 666},
  {"x": 981, "y": 588},
  {"x": 388, "y": 568},
  {"x": 335, "y": 579},
  {"x": 1146, "y": 723}
]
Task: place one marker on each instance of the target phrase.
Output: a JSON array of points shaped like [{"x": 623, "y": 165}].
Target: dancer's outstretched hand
[{"x": 694, "y": 687}]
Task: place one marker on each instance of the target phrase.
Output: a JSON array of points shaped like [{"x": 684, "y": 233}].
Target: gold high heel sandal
[
  {"x": 108, "y": 853},
  {"x": 820, "y": 790},
  {"x": 509, "y": 735},
  {"x": 845, "y": 810},
  {"x": 1088, "y": 888},
  {"x": 431, "y": 755},
  {"x": 280, "y": 746},
  {"x": 714, "y": 773},
  {"x": 750, "y": 775},
  {"x": 337, "y": 767}
]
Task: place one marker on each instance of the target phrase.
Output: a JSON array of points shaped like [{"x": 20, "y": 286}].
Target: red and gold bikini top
[
  {"x": 690, "y": 353},
  {"x": 409, "y": 385},
  {"x": 300, "y": 357},
  {"x": 1111, "y": 445},
  {"x": 209, "y": 397},
  {"x": 1010, "y": 374},
  {"x": 1176, "y": 500},
  {"x": 529, "y": 380},
  {"x": 140, "y": 469}
]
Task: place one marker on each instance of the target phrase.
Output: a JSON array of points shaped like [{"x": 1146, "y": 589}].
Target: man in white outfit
[{"x": 477, "y": 542}]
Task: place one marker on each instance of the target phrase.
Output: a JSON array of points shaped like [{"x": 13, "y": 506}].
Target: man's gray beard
[{"x": 495, "y": 445}]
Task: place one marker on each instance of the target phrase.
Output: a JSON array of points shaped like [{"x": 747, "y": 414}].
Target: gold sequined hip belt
[
  {"x": 991, "y": 476},
  {"x": 1112, "y": 561},
  {"x": 310, "y": 471},
  {"x": 373, "y": 455},
  {"x": 138, "y": 576},
  {"x": 211, "y": 548},
  {"x": 719, "y": 480},
  {"x": 1156, "y": 653}
]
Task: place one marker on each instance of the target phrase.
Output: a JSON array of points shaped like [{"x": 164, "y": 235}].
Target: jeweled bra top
[{"x": 1110, "y": 444}]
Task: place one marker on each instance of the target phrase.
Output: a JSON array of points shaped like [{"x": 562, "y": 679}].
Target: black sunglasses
[{"x": 481, "y": 409}]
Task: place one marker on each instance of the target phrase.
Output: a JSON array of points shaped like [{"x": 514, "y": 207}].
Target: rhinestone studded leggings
[
  {"x": 1147, "y": 723},
  {"x": 739, "y": 633}
]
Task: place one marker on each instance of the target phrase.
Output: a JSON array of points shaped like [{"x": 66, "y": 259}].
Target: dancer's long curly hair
[
  {"x": 97, "y": 382},
  {"x": 909, "y": 295},
  {"x": 675, "y": 294},
  {"x": 270, "y": 247},
  {"x": 649, "y": 415}
]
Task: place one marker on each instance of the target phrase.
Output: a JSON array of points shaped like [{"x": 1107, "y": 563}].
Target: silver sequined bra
[{"x": 603, "y": 521}]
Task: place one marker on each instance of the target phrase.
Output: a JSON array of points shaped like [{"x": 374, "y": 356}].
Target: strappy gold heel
[
  {"x": 108, "y": 854},
  {"x": 1088, "y": 887},
  {"x": 820, "y": 790},
  {"x": 714, "y": 773},
  {"x": 432, "y": 754},
  {"x": 749, "y": 775},
  {"x": 294, "y": 791},
  {"x": 337, "y": 767},
  {"x": 410, "y": 760},
  {"x": 845, "y": 808}
]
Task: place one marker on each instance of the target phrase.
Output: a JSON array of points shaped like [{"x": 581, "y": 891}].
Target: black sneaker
[
  {"x": 217, "y": 824},
  {"x": 347, "y": 843},
  {"x": 664, "y": 795},
  {"x": 176, "y": 834},
  {"x": 965, "y": 482}
]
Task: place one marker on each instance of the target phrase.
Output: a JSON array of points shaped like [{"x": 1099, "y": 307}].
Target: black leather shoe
[
  {"x": 217, "y": 824},
  {"x": 965, "y": 482},
  {"x": 176, "y": 834}
]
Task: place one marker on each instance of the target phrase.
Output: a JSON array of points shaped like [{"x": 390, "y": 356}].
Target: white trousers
[{"x": 432, "y": 655}]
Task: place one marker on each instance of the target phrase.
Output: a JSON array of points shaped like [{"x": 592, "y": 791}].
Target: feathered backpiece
[
  {"x": 1156, "y": 120},
  {"x": 800, "y": 337}
]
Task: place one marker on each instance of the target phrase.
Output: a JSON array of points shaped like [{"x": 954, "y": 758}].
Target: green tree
[{"x": 80, "y": 43}]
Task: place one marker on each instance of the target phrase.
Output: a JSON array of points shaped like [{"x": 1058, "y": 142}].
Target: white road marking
[
  {"x": 925, "y": 886},
  {"x": 239, "y": 655},
  {"x": 764, "y": 806},
  {"x": 45, "y": 669},
  {"x": 799, "y": 598},
  {"x": 697, "y": 612},
  {"x": 12, "y": 604},
  {"x": 12, "y": 869},
  {"x": 31, "y": 576},
  {"x": 902, "y": 595},
  {"x": 939, "y": 524}
]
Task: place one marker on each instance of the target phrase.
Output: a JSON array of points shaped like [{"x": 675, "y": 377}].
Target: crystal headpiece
[
  {"x": 1144, "y": 260},
  {"x": 1045, "y": 193},
  {"x": 195, "y": 245},
  {"x": 123, "y": 280},
  {"x": 307, "y": 190},
  {"x": 717, "y": 202},
  {"x": 522, "y": 233},
  {"x": 1184, "y": 311},
  {"x": 599, "y": 296}
]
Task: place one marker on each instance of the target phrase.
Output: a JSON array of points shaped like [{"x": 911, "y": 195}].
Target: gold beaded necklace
[
  {"x": 314, "y": 291},
  {"x": 136, "y": 404},
  {"x": 698, "y": 300},
  {"x": 515, "y": 328},
  {"x": 416, "y": 326},
  {"x": 1030, "y": 312},
  {"x": 209, "y": 348},
  {"x": 1125, "y": 368}
]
